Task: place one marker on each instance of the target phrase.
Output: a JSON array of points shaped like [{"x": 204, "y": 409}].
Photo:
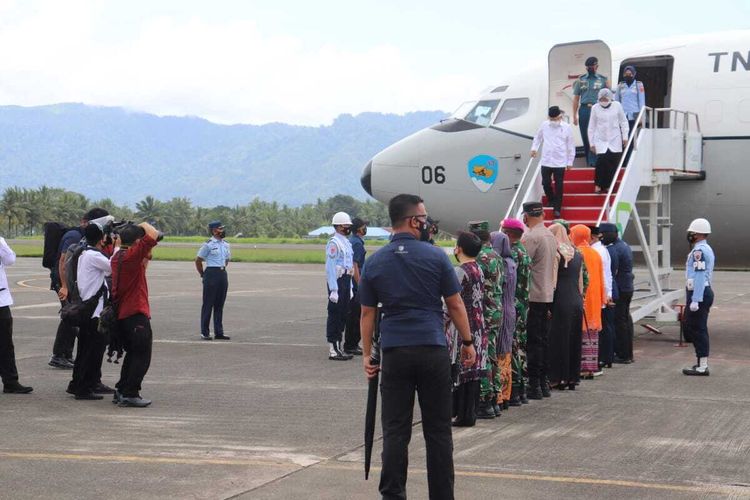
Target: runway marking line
[{"x": 79, "y": 457}]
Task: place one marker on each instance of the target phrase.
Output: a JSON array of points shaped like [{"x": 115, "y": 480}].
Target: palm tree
[
  {"x": 150, "y": 210},
  {"x": 12, "y": 208}
]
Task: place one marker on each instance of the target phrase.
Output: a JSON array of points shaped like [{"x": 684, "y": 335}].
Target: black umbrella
[{"x": 372, "y": 397}]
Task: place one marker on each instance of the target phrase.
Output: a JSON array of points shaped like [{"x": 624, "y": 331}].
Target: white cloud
[{"x": 227, "y": 72}]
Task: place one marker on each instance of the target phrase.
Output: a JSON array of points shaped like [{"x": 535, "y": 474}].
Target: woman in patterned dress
[{"x": 466, "y": 391}]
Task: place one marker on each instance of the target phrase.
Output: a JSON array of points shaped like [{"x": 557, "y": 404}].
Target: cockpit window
[
  {"x": 512, "y": 108},
  {"x": 481, "y": 113}
]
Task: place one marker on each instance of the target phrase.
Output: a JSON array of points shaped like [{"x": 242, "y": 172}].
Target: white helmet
[
  {"x": 700, "y": 226},
  {"x": 341, "y": 219}
]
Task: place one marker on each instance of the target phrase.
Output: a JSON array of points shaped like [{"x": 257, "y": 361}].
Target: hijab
[
  {"x": 501, "y": 245},
  {"x": 564, "y": 247},
  {"x": 580, "y": 235}
]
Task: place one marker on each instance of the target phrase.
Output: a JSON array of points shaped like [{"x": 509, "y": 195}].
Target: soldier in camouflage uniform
[
  {"x": 514, "y": 228},
  {"x": 492, "y": 267}
]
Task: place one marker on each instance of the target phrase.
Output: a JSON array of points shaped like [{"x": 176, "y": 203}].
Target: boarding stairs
[{"x": 666, "y": 145}]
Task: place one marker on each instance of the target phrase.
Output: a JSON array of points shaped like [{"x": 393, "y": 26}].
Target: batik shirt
[{"x": 472, "y": 293}]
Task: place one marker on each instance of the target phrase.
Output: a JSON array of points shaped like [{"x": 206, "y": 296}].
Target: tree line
[{"x": 23, "y": 212}]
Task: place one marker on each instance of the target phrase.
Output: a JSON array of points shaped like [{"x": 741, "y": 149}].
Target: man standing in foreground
[
  {"x": 700, "y": 297},
  {"x": 542, "y": 250},
  {"x": 339, "y": 271},
  {"x": 216, "y": 254},
  {"x": 409, "y": 279},
  {"x": 130, "y": 293}
]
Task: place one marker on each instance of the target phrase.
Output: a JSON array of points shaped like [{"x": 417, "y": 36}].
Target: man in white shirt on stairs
[
  {"x": 608, "y": 135},
  {"x": 558, "y": 153}
]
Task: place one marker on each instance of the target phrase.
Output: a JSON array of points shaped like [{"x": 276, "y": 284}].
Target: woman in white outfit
[{"x": 608, "y": 135}]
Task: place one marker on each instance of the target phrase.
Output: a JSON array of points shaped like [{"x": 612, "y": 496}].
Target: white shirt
[
  {"x": 606, "y": 264},
  {"x": 558, "y": 150},
  {"x": 93, "y": 267},
  {"x": 608, "y": 127},
  {"x": 7, "y": 258}
]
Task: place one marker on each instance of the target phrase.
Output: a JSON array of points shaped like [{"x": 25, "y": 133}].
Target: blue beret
[
  {"x": 607, "y": 227},
  {"x": 214, "y": 224}
]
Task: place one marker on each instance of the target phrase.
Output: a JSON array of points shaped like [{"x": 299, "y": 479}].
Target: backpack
[
  {"x": 75, "y": 311},
  {"x": 53, "y": 234}
]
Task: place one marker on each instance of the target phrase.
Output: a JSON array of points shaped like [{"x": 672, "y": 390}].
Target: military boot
[{"x": 485, "y": 410}]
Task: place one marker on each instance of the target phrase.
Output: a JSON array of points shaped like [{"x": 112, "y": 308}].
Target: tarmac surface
[{"x": 267, "y": 416}]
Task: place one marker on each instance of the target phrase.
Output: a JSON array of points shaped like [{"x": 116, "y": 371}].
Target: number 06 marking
[{"x": 436, "y": 175}]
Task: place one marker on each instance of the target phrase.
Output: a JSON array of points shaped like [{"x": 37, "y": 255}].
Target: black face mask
[
  {"x": 609, "y": 238},
  {"x": 221, "y": 234},
  {"x": 364, "y": 232},
  {"x": 346, "y": 231},
  {"x": 424, "y": 232},
  {"x": 691, "y": 238},
  {"x": 591, "y": 70},
  {"x": 455, "y": 256},
  {"x": 629, "y": 80}
]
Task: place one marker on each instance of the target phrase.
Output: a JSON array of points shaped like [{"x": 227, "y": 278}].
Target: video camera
[{"x": 111, "y": 228}]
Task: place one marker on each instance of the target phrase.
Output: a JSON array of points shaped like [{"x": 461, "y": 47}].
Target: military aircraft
[{"x": 469, "y": 166}]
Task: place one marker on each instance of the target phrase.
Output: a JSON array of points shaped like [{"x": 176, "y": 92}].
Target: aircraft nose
[{"x": 366, "y": 179}]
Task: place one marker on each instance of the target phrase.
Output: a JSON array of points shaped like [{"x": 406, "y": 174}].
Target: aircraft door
[{"x": 566, "y": 64}]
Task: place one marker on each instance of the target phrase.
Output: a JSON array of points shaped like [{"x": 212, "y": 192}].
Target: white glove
[
  {"x": 694, "y": 306},
  {"x": 351, "y": 293},
  {"x": 334, "y": 297}
]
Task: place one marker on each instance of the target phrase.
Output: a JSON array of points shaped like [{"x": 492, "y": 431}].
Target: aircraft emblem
[{"x": 483, "y": 172}]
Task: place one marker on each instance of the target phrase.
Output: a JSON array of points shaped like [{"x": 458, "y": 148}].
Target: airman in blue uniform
[
  {"x": 700, "y": 296},
  {"x": 352, "y": 334},
  {"x": 216, "y": 254},
  {"x": 339, "y": 272},
  {"x": 631, "y": 94},
  {"x": 586, "y": 91}
]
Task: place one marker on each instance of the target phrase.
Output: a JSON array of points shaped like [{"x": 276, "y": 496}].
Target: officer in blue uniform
[
  {"x": 216, "y": 254},
  {"x": 631, "y": 94},
  {"x": 622, "y": 291},
  {"x": 339, "y": 271},
  {"x": 700, "y": 297},
  {"x": 352, "y": 334},
  {"x": 585, "y": 94}
]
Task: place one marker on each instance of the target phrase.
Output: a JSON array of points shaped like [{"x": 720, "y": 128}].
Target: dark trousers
[
  {"x": 554, "y": 196},
  {"x": 607, "y": 336},
  {"x": 137, "y": 341},
  {"x": 352, "y": 336},
  {"x": 87, "y": 370},
  {"x": 215, "y": 286},
  {"x": 338, "y": 311},
  {"x": 537, "y": 343},
  {"x": 425, "y": 369},
  {"x": 584, "y": 113},
  {"x": 697, "y": 322},
  {"x": 65, "y": 338},
  {"x": 8, "y": 370},
  {"x": 623, "y": 326},
  {"x": 606, "y": 166}
]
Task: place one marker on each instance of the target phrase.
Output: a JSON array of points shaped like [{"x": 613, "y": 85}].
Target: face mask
[
  {"x": 629, "y": 80},
  {"x": 364, "y": 232},
  {"x": 691, "y": 238},
  {"x": 605, "y": 104},
  {"x": 346, "y": 231},
  {"x": 222, "y": 234},
  {"x": 554, "y": 123},
  {"x": 455, "y": 256},
  {"x": 424, "y": 232},
  {"x": 591, "y": 70}
]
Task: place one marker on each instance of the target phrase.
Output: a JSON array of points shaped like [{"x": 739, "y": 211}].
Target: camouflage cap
[{"x": 479, "y": 225}]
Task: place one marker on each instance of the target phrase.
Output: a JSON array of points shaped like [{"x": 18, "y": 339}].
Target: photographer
[
  {"x": 62, "y": 350},
  {"x": 93, "y": 269},
  {"x": 130, "y": 293}
]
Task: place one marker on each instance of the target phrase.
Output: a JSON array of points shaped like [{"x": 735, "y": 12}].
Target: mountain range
[{"x": 112, "y": 152}]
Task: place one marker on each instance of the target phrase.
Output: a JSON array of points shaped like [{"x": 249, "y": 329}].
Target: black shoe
[
  {"x": 506, "y": 405},
  {"x": 694, "y": 370},
  {"x": 572, "y": 386},
  {"x": 335, "y": 354},
  {"x": 515, "y": 399},
  {"x": 498, "y": 410},
  {"x": 89, "y": 396},
  {"x": 353, "y": 352},
  {"x": 557, "y": 214},
  {"x": 534, "y": 393},
  {"x": 545, "y": 389},
  {"x": 60, "y": 362},
  {"x": 206, "y": 337},
  {"x": 221, "y": 337},
  {"x": 485, "y": 410},
  {"x": 116, "y": 397},
  {"x": 102, "y": 389},
  {"x": 609, "y": 365},
  {"x": 560, "y": 387},
  {"x": 621, "y": 361},
  {"x": 134, "y": 402},
  {"x": 16, "y": 388}
]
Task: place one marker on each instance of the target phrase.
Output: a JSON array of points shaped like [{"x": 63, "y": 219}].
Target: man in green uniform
[
  {"x": 492, "y": 267},
  {"x": 585, "y": 94},
  {"x": 514, "y": 228}
]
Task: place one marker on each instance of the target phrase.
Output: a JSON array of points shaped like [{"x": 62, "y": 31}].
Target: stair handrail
[
  {"x": 512, "y": 208},
  {"x": 631, "y": 139}
]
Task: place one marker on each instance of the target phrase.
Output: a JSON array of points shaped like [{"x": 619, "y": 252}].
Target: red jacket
[{"x": 129, "y": 286}]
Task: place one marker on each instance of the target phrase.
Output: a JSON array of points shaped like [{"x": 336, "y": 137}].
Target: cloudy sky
[{"x": 305, "y": 62}]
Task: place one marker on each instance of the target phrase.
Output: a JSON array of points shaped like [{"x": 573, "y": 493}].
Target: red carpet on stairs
[{"x": 580, "y": 204}]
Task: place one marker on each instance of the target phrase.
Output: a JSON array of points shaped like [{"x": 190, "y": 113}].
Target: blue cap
[
  {"x": 215, "y": 224},
  {"x": 607, "y": 227}
]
